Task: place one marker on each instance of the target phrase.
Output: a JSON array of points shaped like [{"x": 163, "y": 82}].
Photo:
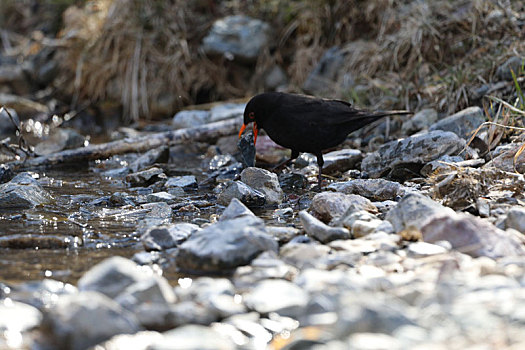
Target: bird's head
[{"x": 252, "y": 113}]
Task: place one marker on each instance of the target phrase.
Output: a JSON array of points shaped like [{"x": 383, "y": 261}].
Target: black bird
[{"x": 306, "y": 124}]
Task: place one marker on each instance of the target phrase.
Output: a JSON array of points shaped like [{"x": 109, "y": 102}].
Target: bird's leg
[
  {"x": 281, "y": 165},
  {"x": 320, "y": 162}
]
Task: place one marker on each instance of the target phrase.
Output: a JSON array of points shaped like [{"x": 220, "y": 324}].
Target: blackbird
[{"x": 306, "y": 124}]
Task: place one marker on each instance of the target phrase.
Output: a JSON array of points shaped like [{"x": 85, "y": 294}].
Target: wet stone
[
  {"x": 220, "y": 161},
  {"x": 516, "y": 219},
  {"x": 280, "y": 296},
  {"x": 264, "y": 181},
  {"x": 291, "y": 182},
  {"x": 247, "y": 148},
  {"x": 146, "y": 177},
  {"x": 85, "y": 319},
  {"x": 341, "y": 161},
  {"x": 419, "y": 121},
  {"x": 6, "y": 173},
  {"x": 411, "y": 153},
  {"x": 247, "y": 195},
  {"x": 461, "y": 123},
  {"x": 235, "y": 210},
  {"x": 161, "y": 197},
  {"x": 413, "y": 211},
  {"x": 327, "y": 206},
  {"x": 23, "y": 192},
  {"x": 156, "y": 155},
  {"x": 167, "y": 236},
  {"x": 186, "y": 182},
  {"x": 59, "y": 140},
  {"x": 473, "y": 236},
  {"x": 373, "y": 189},
  {"x": 225, "y": 245},
  {"x": 321, "y": 231},
  {"x": 41, "y": 294}
]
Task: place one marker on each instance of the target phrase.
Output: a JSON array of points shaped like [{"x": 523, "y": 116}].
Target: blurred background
[{"x": 114, "y": 62}]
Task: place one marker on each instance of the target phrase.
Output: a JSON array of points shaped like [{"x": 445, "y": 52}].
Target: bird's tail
[{"x": 387, "y": 113}]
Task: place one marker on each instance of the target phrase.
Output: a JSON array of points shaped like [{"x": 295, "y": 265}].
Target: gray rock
[
  {"x": 290, "y": 182},
  {"x": 373, "y": 189},
  {"x": 59, "y": 140},
  {"x": 6, "y": 124},
  {"x": 264, "y": 181},
  {"x": 283, "y": 234},
  {"x": 18, "y": 317},
  {"x": 156, "y": 155},
  {"x": 226, "y": 110},
  {"x": 204, "y": 288},
  {"x": 167, "y": 236},
  {"x": 243, "y": 192},
  {"x": 472, "y": 236},
  {"x": 413, "y": 211},
  {"x": 237, "y": 37},
  {"x": 341, "y": 161},
  {"x": 362, "y": 223},
  {"x": 190, "y": 119},
  {"x": 41, "y": 294},
  {"x": 275, "y": 78},
  {"x": 85, "y": 319},
  {"x": 280, "y": 296},
  {"x": 23, "y": 192},
  {"x": 419, "y": 121},
  {"x": 161, "y": 197},
  {"x": 321, "y": 231},
  {"x": 225, "y": 245},
  {"x": 187, "y": 312},
  {"x": 193, "y": 337},
  {"x": 462, "y": 123},
  {"x": 327, "y": 206},
  {"x": 303, "y": 255},
  {"x": 152, "y": 214},
  {"x": 411, "y": 152},
  {"x": 516, "y": 219},
  {"x": 112, "y": 276},
  {"x": 146, "y": 177},
  {"x": 235, "y": 210},
  {"x": 186, "y": 181},
  {"x": 323, "y": 78},
  {"x": 440, "y": 165},
  {"x": 503, "y": 159},
  {"x": 515, "y": 63},
  {"x": 6, "y": 173}
]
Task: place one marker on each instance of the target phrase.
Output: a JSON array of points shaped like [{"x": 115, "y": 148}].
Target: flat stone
[
  {"x": 264, "y": 181},
  {"x": 244, "y": 193},
  {"x": 462, "y": 123},
  {"x": 413, "y": 211},
  {"x": 327, "y": 206},
  {"x": 156, "y": 155},
  {"x": 341, "y": 160},
  {"x": 146, "y": 177},
  {"x": 167, "y": 236},
  {"x": 23, "y": 192},
  {"x": 225, "y": 245},
  {"x": 373, "y": 189},
  {"x": 321, "y": 231},
  {"x": 186, "y": 181},
  {"x": 226, "y": 111},
  {"x": 235, "y": 210},
  {"x": 473, "y": 236},
  {"x": 85, "y": 319},
  {"x": 280, "y": 296},
  {"x": 411, "y": 153}
]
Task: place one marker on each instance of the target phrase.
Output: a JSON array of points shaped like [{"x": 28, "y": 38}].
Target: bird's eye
[{"x": 251, "y": 115}]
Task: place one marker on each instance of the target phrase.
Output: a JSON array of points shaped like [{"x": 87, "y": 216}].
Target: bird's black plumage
[{"x": 306, "y": 124}]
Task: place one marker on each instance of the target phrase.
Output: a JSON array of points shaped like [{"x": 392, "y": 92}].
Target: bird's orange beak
[{"x": 255, "y": 131}]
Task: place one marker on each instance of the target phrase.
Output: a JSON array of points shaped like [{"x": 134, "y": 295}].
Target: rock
[
  {"x": 167, "y": 236},
  {"x": 26, "y": 108},
  {"x": 8, "y": 126},
  {"x": 17, "y": 317},
  {"x": 280, "y": 296},
  {"x": 424, "y": 249},
  {"x": 247, "y": 149},
  {"x": 321, "y": 231},
  {"x": 302, "y": 255},
  {"x": 504, "y": 71},
  {"x": 23, "y": 192},
  {"x": 235, "y": 210},
  {"x": 462, "y": 123},
  {"x": 193, "y": 337},
  {"x": 264, "y": 181},
  {"x": 237, "y": 37},
  {"x": 291, "y": 182},
  {"x": 275, "y": 78},
  {"x": 60, "y": 139},
  {"x": 225, "y": 245},
  {"x": 85, "y": 319},
  {"x": 153, "y": 214},
  {"x": 243, "y": 192},
  {"x": 372, "y": 340},
  {"x": 440, "y": 166},
  {"x": 373, "y": 189},
  {"x": 162, "y": 197},
  {"x": 419, "y": 121},
  {"x": 41, "y": 294},
  {"x": 503, "y": 159},
  {"x": 473, "y": 236},
  {"x": 226, "y": 110},
  {"x": 341, "y": 161},
  {"x": 190, "y": 119},
  {"x": 186, "y": 182},
  {"x": 6, "y": 173},
  {"x": 413, "y": 211},
  {"x": 362, "y": 223},
  {"x": 156, "y": 155},
  {"x": 515, "y": 219},
  {"x": 265, "y": 266},
  {"x": 146, "y": 177},
  {"x": 283, "y": 234},
  {"x": 112, "y": 276},
  {"x": 411, "y": 153},
  {"x": 183, "y": 313},
  {"x": 138, "y": 341},
  {"x": 327, "y": 206},
  {"x": 324, "y": 76}
]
